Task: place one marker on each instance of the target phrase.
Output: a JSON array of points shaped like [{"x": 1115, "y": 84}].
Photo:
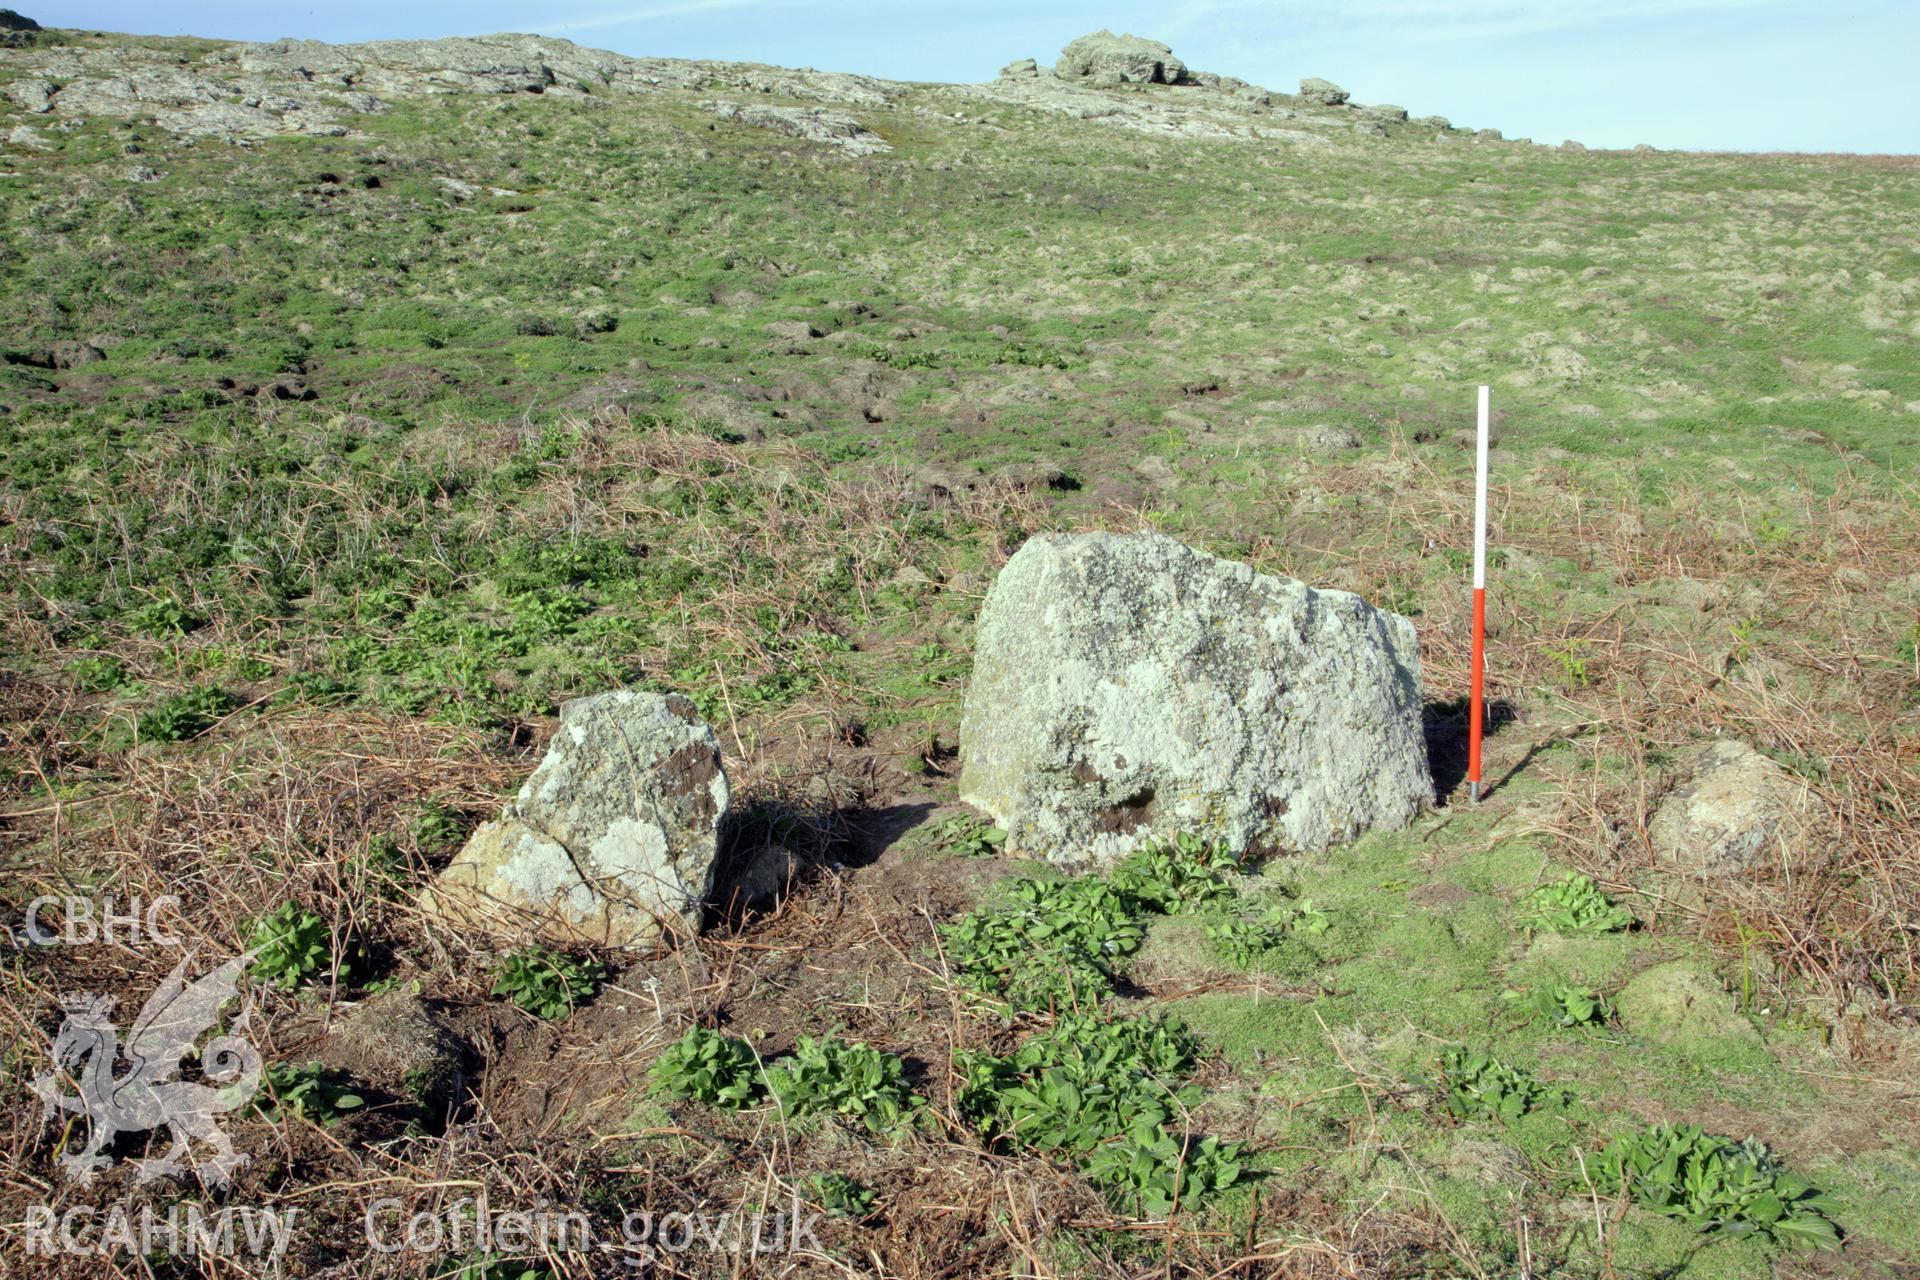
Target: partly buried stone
[
  {"x": 1677, "y": 1004},
  {"x": 1020, "y": 69},
  {"x": 397, "y": 1044},
  {"x": 1127, "y": 687},
  {"x": 1324, "y": 92},
  {"x": 1721, "y": 821},
  {"x": 1321, "y": 438},
  {"x": 1106, "y": 58},
  {"x": 612, "y": 840}
]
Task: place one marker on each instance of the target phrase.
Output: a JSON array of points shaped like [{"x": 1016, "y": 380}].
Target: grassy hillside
[{"x": 329, "y": 466}]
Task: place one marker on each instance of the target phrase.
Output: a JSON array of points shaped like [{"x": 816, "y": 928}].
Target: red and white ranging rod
[{"x": 1476, "y": 706}]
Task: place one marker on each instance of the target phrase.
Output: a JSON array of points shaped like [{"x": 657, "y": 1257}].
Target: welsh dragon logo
[{"x": 147, "y": 1095}]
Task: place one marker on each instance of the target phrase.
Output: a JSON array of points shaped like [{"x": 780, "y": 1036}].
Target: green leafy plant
[
  {"x": 1564, "y": 1006},
  {"x": 1175, "y": 876},
  {"x": 315, "y": 688},
  {"x": 1571, "y": 657},
  {"x": 1103, "y": 1091},
  {"x": 380, "y": 867},
  {"x": 708, "y": 1067},
  {"x": 854, "y": 1080},
  {"x": 1152, "y": 1171},
  {"x": 307, "y": 1090},
  {"x": 1480, "y": 1086},
  {"x": 290, "y": 945},
  {"x": 1742, "y": 633},
  {"x": 1714, "y": 1184},
  {"x": 1050, "y": 944},
  {"x": 96, "y": 673},
  {"x": 841, "y": 1196},
  {"x": 1078, "y": 1083},
  {"x": 1573, "y": 904},
  {"x": 436, "y": 826},
  {"x": 161, "y": 618},
  {"x": 965, "y": 836},
  {"x": 1243, "y": 941},
  {"x": 1057, "y": 944},
  {"x": 545, "y": 982},
  {"x": 489, "y": 1266},
  {"x": 184, "y": 715},
  {"x": 1087, "y": 910}
]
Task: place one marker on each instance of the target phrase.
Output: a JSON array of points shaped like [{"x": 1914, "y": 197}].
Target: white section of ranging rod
[{"x": 1480, "y": 499}]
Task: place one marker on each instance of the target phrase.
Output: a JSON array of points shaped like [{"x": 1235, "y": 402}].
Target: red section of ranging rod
[{"x": 1476, "y": 705}]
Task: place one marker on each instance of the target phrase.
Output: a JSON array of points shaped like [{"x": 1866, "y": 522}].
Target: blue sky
[{"x": 1743, "y": 74}]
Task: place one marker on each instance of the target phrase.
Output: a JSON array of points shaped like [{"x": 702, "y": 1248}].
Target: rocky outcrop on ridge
[
  {"x": 244, "y": 91},
  {"x": 1106, "y": 58}
]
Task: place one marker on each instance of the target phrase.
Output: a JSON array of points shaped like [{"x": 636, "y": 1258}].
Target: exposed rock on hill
[
  {"x": 477, "y": 64},
  {"x": 1105, "y": 58},
  {"x": 1207, "y": 106},
  {"x": 1127, "y": 687},
  {"x": 304, "y": 86},
  {"x": 1324, "y": 92},
  {"x": 814, "y": 124}
]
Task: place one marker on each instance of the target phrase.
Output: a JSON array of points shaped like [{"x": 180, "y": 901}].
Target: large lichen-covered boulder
[
  {"x": 1106, "y": 58},
  {"x": 613, "y": 838},
  {"x": 1126, "y": 687},
  {"x": 1724, "y": 818}
]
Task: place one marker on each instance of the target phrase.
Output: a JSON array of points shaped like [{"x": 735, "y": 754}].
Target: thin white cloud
[
  {"x": 643, "y": 13},
  {"x": 1439, "y": 19}
]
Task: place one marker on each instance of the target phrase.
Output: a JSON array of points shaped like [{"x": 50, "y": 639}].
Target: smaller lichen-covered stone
[{"x": 613, "y": 838}]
